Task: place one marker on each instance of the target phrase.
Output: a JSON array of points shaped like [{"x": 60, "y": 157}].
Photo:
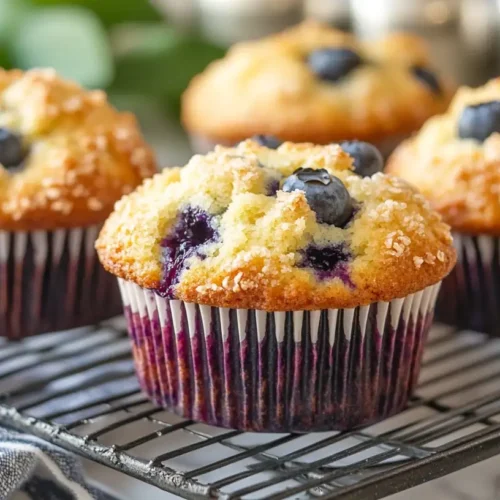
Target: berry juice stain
[
  {"x": 194, "y": 229},
  {"x": 328, "y": 262}
]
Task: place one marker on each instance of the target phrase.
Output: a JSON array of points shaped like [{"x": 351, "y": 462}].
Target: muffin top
[
  {"x": 277, "y": 229},
  {"x": 66, "y": 155},
  {"x": 313, "y": 83},
  {"x": 455, "y": 161}
]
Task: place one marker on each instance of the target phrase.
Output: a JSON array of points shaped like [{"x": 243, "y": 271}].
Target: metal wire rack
[{"x": 77, "y": 389}]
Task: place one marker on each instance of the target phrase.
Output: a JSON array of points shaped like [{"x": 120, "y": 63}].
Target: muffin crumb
[
  {"x": 456, "y": 171},
  {"x": 430, "y": 258},
  {"x": 72, "y": 152},
  {"x": 233, "y": 242},
  {"x": 289, "y": 98}
]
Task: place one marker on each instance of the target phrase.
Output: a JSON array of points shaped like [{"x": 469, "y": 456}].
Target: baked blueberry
[
  {"x": 328, "y": 262},
  {"x": 272, "y": 187},
  {"x": 325, "y": 193},
  {"x": 11, "y": 148},
  {"x": 332, "y": 64},
  {"x": 325, "y": 258},
  {"x": 194, "y": 229},
  {"x": 367, "y": 158},
  {"x": 479, "y": 121},
  {"x": 268, "y": 141},
  {"x": 428, "y": 78}
]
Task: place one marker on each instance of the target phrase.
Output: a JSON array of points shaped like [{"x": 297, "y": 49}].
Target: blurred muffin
[
  {"x": 315, "y": 84},
  {"x": 278, "y": 289},
  {"x": 66, "y": 156},
  {"x": 455, "y": 162}
]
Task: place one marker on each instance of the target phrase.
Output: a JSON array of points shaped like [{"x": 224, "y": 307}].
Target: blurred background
[{"x": 144, "y": 52}]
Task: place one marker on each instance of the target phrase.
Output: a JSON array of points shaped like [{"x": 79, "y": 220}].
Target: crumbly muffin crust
[
  {"x": 461, "y": 177},
  {"x": 266, "y": 87},
  {"x": 393, "y": 246},
  {"x": 82, "y": 156}
]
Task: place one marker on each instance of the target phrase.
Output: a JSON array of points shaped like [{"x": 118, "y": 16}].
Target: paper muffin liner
[
  {"x": 52, "y": 280},
  {"x": 470, "y": 298},
  {"x": 203, "y": 145},
  {"x": 278, "y": 371}
]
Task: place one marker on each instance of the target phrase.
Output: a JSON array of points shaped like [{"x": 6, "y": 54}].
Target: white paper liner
[
  {"x": 278, "y": 371},
  {"x": 471, "y": 293},
  {"x": 52, "y": 280}
]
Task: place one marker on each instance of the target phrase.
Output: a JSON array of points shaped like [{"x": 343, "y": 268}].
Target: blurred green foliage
[
  {"x": 123, "y": 46},
  {"x": 112, "y": 12}
]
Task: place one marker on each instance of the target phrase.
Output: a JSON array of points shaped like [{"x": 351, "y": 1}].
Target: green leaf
[
  {"x": 155, "y": 60},
  {"x": 113, "y": 11},
  {"x": 5, "y": 61},
  {"x": 70, "y": 39}
]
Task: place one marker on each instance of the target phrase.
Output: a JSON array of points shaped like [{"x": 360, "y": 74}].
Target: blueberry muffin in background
[
  {"x": 278, "y": 289},
  {"x": 455, "y": 162},
  {"x": 66, "y": 156},
  {"x": 315, "y": 84}
]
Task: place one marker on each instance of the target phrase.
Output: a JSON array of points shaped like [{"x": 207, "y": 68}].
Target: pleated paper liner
[
  {"x": 470, "y": 298},
  {"x": 282, "y": 371},
  {"x": 52, "y": 280},
  {"x": 203, "y": 145}
]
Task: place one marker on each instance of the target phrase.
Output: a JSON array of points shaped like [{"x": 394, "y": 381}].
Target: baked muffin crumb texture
[
  {"x": 283, "y": 85},
  {"x": 455, "y": 164},
  {"x": 81, "y": 155},
  {"x": 221, "y": 232}
]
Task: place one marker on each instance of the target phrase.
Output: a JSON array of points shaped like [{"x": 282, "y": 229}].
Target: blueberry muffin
[
  {"x": 278, "y": 289},
  {"x": 66, "y": 156},
  {"x": 455, "y": 162},
  {"x": 313, "y": 83}
]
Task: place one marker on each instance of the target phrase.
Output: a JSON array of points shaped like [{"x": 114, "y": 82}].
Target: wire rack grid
[{"x": 77, "y": 389}]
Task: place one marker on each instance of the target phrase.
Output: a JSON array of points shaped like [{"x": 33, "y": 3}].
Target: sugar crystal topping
[{"x": 272, "y": 242}]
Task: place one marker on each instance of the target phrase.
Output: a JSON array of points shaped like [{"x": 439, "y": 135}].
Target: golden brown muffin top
[
  {"x": 269, "y": 87},
  {"x": 228, "y": 230},
  {"x": 455, "y": 160},
  {"x": 81, "y": 155}
]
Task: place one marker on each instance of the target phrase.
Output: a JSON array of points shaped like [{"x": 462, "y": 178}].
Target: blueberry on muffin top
[
  {"x": 367, "y": 158},
  {"x": 326, "y": 195},
  {"x": 213, "y": 233},
  {"x": 455, "y": 160},
  {"x": 313, "y": 83},
  {"x": 479, "y": 121},
  {"x": 268, "y": 141},
  {"x": 428, "y": 78},
  {"x": 332, "y": 64},
  {"x": 66, "y": 155},
  {"x": 12, "y": 150}
]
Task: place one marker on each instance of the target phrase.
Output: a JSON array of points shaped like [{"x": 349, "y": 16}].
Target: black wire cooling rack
[{"x": 77, "y": 389}]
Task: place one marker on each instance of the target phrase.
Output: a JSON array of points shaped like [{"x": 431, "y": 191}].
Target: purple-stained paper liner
[
  {"x": 278, "y": 371},
  {"x": 470, "y": 298},
  {"x": 203, "y": 145},
  {"x": 52, "y": 280}
]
